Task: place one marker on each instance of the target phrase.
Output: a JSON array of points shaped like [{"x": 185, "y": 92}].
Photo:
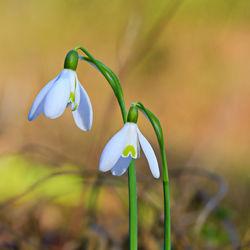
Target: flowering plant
[{"x": 123, "y": 148}]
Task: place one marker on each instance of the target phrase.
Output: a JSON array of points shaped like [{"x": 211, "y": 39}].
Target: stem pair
[{"x": 116, "y": 86}]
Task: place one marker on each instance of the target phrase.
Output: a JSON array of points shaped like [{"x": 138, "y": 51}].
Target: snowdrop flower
[
  {"x": 64, "y": 91},
  {"x": 124, "y": 146}
]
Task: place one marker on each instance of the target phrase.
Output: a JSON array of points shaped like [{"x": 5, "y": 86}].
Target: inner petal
[
  {"x": 121, "y": 166},
  {"x": 74, "y": 97},
  {"x": 132, "y": 144}
]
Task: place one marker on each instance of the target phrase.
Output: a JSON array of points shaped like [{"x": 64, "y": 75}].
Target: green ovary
[{"x": 129, "y": 149}]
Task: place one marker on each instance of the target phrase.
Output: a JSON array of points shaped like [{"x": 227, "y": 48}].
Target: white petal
[
  {"x": 150, "y": 155},
  {"x": 83, "y": 115},
  {"x": 121, "y": 166},
  {"x": 113, "y": 150},
  {"x": 57, "y": 98},
  {"x": 37, "y": 106}
]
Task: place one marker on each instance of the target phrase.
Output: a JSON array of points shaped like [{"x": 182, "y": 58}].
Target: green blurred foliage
[{"x": 18, "y": 174}]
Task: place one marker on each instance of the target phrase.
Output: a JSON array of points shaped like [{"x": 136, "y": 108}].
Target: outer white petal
[
  {"x": 83, "y": 115},
  {"x": 113, "y": 150},
  {"x": 121, "y": 166},
  {"x": 56, "y": 100},
  {"x": 150, "y": 155},
  {"x": 37, "y": 106}
]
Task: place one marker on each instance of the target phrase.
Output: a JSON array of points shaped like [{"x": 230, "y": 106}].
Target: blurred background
[{"x": 188, "y": 62}]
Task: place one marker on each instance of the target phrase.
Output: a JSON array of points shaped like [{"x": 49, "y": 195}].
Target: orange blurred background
[{"x": 187, "y": 61}]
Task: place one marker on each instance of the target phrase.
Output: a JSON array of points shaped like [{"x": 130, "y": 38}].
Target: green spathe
[{"x": 71, "y": 60}]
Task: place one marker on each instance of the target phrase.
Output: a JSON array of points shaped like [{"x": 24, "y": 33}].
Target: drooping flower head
[
  {"x": 64, "y": 91},
  {"x": 125, "y": 145}
]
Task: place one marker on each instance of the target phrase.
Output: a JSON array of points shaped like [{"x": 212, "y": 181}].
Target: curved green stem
[
  {"x": 116, "y": 86},
  {"x": 113, "y": 81},
  {"x": 158, "y": 131}
]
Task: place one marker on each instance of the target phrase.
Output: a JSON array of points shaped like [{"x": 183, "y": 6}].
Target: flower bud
[
  {"x": 133, "y": 114},
  {"x": 71, "y": 60}
]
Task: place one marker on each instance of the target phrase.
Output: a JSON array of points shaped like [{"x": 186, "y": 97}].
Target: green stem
[
  {"x": 167, "y": 225},
  {"x": 132, "y": 206},
  {"x": 167, "y": 222},
  {"x": 159, "y": 134},
  {"x": 116, "y": 86},
  {"x": 113, "y": 81}
]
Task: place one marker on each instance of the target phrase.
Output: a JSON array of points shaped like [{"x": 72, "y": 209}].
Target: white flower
[
  {"x": 64, "y": 91},
  {"x": 124, "y": 146}
]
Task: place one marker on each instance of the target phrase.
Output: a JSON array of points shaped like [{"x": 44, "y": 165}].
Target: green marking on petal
[
  {"x": 129, "y": 149},
  {"x": 75, "y": 108},
  {"x": 72, "y": 96}
]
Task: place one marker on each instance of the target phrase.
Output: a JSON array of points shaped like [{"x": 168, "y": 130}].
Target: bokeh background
[{"x": 188, "y": 61}]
